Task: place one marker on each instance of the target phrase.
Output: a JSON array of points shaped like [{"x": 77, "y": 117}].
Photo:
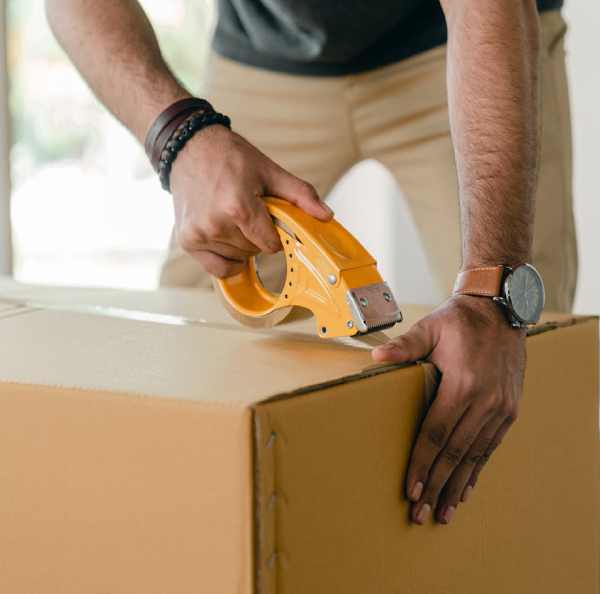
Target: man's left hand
[{"x": 482, "y": 361}]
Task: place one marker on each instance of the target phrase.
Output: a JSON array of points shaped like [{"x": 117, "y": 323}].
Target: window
[{"x": 86, "y": 207}]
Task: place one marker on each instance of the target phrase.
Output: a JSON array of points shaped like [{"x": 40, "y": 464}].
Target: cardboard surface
[
  {"x": 341, "y": 523},
  {"x": 189, "y": 362},
  {"x": 100, "y": 493},
  {"x": 193, "y": 455}
]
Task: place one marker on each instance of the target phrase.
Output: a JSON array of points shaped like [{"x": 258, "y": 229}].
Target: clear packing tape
[{"x": 15, "y": 306}]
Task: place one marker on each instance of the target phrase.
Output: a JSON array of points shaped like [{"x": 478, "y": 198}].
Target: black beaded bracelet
[{"x": 184, "y": 132}]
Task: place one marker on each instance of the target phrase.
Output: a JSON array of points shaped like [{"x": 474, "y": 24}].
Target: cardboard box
[{"x": 191, "y": 455}]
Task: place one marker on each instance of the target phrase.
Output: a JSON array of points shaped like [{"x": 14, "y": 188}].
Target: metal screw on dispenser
[
  {"x": 332, "y": 279},
  {"x": 363, "y": 301},
  {"x": 387, "y": 296},
  {"x": 350, "y": 324}
]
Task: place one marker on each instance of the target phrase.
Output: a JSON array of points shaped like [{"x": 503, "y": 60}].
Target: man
[{"x": 318, "y": 86}]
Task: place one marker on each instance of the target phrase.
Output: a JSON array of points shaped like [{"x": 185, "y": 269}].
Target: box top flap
[{"x": 170, "y": 343}]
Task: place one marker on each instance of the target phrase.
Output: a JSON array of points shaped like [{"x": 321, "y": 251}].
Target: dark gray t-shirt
[{"x": 330, "y": 37}]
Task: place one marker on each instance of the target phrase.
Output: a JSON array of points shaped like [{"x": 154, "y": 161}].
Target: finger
[
  {"x": 416, "y": 344},
  {"x": 235, "y": 238},
  {"x": 228, "y": 251},
  {"x": 493, "y": 446},
  {"x": 214, "y": 233},
  {"x": 258, "y": 227},
  {"x": 217, "y": 265},
  {"x": 449, "y": 458},
  {"x": 452, "y": 493},
  {"x": 440, "y": 421},
  {"x": 248, "y": 215},
  {"x": 302, "y": 194}
]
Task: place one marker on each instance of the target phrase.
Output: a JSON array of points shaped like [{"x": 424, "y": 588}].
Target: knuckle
[
  {"x": 189, "y": 238},
  {"x": 511, "y": 412},
  {"x": 485, "y": 443},
  {"x": 421, "y": 327},
  {"x": 243, "y": 214},
  {"x": 309, "y": 190},
  {"x": 263, "y": 234},
  {"x": 493, "y": 446},
  {"x": 477, "y": 455},
  {"x": 220, "y": 269},
  {"x": 402, "y": 342},
  {"x": 272, "y": 244},
  {"x": 216, "y": 271},
  {"x": 210, "y": 230},
  {"x": 436, "y": 435},
  {"x": 506, "y": 408},
  {"x": 485, "y": 456},
  {"x": 500, "y": 402},
  {"x": 469, "y": 381},
  {"x": 237, "y": 210},
  {"x": 472, "y": 459},
  {"x": 453, "y": 455}
]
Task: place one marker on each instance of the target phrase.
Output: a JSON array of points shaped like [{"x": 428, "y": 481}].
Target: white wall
[
  {"x": 584, "y": 70},
  {"x": 400, "y": 254}
]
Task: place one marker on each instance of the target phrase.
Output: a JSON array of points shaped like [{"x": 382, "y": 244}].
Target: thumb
[
  {"x": 416, "y": 344},
  {"x": 300, "y": 193}
]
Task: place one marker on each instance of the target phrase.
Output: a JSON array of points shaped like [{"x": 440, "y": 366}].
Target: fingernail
[
  {"x": 388, "y": 346},
  {"x": 327, "y": 208},
  {"x": 385, "y": 349},
  {"x": 448, "y": 513},
  {"x": 423, "y": 513},
  {"x": 467, "y": 493},
  {"x": 416, "y": 492}
]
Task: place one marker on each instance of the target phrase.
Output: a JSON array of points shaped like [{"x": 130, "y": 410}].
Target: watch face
[{"x": 525, "y": 293}]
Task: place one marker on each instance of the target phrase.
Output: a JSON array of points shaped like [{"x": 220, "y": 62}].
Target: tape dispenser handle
[{"x": 244, "y": 293}]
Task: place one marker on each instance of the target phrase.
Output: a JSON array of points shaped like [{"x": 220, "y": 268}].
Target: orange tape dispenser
[{"x": 327, "y": 272}]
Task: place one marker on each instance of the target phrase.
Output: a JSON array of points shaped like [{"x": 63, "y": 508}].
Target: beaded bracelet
[
  {"x": 176, "y": 111},
  {"x": 184, "y": 132}
]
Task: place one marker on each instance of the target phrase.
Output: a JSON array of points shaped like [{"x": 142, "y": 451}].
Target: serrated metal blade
[
  {"x": 373, "y": 308},
  {"x": 365, "y": 341}
]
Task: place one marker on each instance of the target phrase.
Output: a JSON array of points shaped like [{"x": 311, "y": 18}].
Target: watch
[{"x": 519, "y": 290}]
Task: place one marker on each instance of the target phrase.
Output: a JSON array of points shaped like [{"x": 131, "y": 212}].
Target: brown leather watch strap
[
  {"x": 484, "y": 282},
  {"x": 174, "y": 111}
]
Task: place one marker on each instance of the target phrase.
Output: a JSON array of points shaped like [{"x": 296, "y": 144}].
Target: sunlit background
[{"x": 88, "y": 210}]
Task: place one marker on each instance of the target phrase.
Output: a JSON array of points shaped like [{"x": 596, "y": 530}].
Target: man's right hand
[{"x": 218, "y": 182}]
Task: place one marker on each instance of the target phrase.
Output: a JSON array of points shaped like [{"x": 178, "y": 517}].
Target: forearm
[
  {"x": 493, "y": 103},
  {"x": 114, "y": 47}
]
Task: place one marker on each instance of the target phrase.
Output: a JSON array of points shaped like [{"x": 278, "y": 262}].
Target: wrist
[
  {"x": 191, "y": 127},
  {"x": 173, "y": 128},
  {"x": 152, "y": 108},
  {"x": 487, "y": 312},
  {"x": 167, "y": 123}
]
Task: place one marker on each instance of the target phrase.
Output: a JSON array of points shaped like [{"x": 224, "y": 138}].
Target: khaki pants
[{"x": 319, "y": 127}]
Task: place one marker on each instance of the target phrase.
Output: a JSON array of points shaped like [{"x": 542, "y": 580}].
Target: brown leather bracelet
[
  {"x": 175, "y": 111},
  {"x": 165, "y": 135}
]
